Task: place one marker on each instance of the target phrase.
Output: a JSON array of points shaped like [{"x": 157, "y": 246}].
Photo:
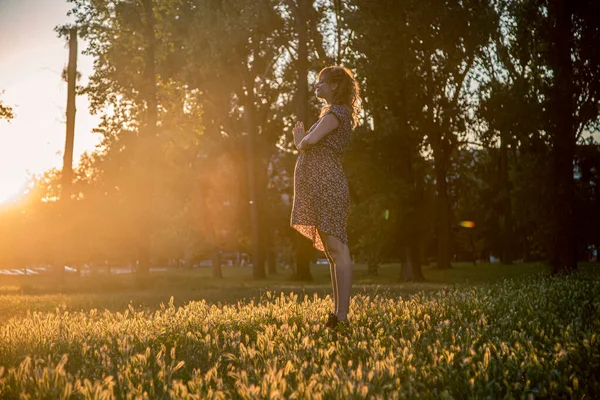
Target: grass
[
  {"x": 25, "y": 294},
  {"x": 465, "y": 333}
]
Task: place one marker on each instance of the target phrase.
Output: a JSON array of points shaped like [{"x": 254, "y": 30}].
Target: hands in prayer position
[{"x": 299, "y": 134}]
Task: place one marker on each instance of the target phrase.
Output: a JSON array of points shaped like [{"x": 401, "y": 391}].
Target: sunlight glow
[{"x": 30, "y": 75}]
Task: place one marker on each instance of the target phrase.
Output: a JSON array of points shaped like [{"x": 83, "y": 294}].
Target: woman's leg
[
  {"x": 334, "y": 286},
  {"x": 336, "y": 302},
  {"x": 342, "y": 262}
]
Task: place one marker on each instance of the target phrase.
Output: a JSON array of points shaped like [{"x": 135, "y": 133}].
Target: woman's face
[{"x": 322, "y": 89}]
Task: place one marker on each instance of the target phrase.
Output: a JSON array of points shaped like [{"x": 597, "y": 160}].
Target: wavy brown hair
[{"x": 346, "y": 92}]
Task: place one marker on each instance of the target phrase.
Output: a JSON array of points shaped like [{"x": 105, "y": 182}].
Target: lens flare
[{"x": 467, "y": 224}]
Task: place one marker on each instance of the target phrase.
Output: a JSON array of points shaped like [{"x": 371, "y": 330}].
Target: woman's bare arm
[{"x": 325, "y": 126}]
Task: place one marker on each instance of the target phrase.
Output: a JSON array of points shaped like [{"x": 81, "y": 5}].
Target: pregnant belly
[{"x": 320, "y": 171}]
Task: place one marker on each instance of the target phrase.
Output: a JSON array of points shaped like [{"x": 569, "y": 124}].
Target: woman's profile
[{"x": 321, "y": 195}]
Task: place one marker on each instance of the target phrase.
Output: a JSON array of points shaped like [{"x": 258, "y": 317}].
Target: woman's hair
[{"x": 346, "y": 92}]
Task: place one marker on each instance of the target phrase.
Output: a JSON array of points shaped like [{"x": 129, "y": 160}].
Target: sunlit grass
[
  {"x": 512, "y": 338},
  {"x": 22, "y": 294}
]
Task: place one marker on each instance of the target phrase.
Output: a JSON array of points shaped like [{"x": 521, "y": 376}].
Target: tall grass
[
  {"x": 20, "y": 295},
  {"x": 536, "y": 337}
]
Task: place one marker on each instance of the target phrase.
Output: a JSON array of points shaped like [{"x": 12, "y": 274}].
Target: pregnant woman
[{"x": 321, "y": 196}]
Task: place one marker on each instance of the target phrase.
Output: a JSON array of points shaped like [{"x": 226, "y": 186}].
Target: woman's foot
[{"x": 332, "y": 321}]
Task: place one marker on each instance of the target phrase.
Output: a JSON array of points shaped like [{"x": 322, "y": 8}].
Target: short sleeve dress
[{"x": 321, "y": 195}]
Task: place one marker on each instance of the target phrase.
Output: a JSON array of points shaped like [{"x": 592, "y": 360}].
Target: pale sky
[{"x": 31, "y": 60}]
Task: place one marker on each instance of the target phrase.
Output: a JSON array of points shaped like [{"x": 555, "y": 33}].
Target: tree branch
[
  {"x": 461, "y": 80},
  {"x": 316, "y": 37},
  {"x": 291, "y": 52},
  {"x": 338, "y": 30}
]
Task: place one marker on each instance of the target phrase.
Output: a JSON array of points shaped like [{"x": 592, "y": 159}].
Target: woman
[{"x": 321, "y": 196}]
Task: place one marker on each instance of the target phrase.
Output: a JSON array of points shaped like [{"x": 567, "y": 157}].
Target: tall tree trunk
[
  {"x": 303, "y": 249},
  {"x": 564, "y": 247},
  {"x": 507, "y": 231},
  {"x": 258, "y": 267},
  {"x": 148, "y": 136},
  {"x": 209, "y": 231},
  {"x": 442, "y": 212},
  {"x": 411, "y": 269},
  {"x": 67, "y": 171},
  {"x": 267, "y": 225},
  {"x": 440, "y": 156}
]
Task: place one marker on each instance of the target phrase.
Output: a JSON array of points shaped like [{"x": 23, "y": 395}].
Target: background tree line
[{"x": 473, "y": 110}]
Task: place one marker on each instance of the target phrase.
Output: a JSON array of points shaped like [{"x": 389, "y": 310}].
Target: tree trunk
[
  {"x": 268, "y": 239},
  {"x": 304, "y": 253},
  {"x": 411, "y": 267},
  {"x": 209, "y": 231},
  {"x": 507, "y": 231},
  {"x": 564, "y": 247},
  {"x": 67, "y": 171},
  {"x": 258, "y": 267},
  {"x": 412, "y": 271},
  {"x": 267, "y": 224},
  {"x": 148, "y": 134},
  {"x": 442, "y": 213},
  {"x": 303, "y": 249}
]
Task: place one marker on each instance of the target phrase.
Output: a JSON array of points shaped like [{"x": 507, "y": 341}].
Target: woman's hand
[
  {"x": 299, "y": 129},
  {"x": 298, "y": 133}
]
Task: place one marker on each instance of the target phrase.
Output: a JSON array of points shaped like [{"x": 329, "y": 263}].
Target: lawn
[
  {"x": 466, "y": 332},
  {"x": 22, "y": 294}
]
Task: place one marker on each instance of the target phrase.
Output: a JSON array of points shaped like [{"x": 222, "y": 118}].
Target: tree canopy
[{"x": 476, "y": 139}]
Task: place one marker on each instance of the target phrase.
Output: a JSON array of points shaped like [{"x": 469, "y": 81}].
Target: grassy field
[
  {"x": 466, "y": 332},
  {"x": 22, "y": 294}
]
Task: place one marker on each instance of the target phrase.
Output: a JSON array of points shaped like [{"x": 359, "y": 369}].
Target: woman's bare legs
[
  {"x": 342, "y": 273},
  {"x": 333, "y": 278}
]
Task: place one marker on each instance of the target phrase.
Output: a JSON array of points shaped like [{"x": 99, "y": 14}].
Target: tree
[
  {"x": 300, "y": 11},
  {"x": 236, "y": 85},
  {"x": 133, "y": 89},
  {"x": 563, "y": 258},
  {"x": 552, "y": 47},
  {"x": 512, "y": 127},
  {"x": 67, "y": 172},
  {"x": 417, "y": 61}
]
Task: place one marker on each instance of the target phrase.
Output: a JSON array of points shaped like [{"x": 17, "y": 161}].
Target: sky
[{"x": 32, "y": 57}]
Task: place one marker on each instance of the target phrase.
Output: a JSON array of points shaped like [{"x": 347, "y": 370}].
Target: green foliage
[
  {"x": 208, "y": 58},
  {"x": 514, "y": 338},
  {"x": 436, "y": 77}
]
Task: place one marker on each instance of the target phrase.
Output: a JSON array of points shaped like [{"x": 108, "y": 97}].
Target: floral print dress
[{"x": 321, "y": 195}]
